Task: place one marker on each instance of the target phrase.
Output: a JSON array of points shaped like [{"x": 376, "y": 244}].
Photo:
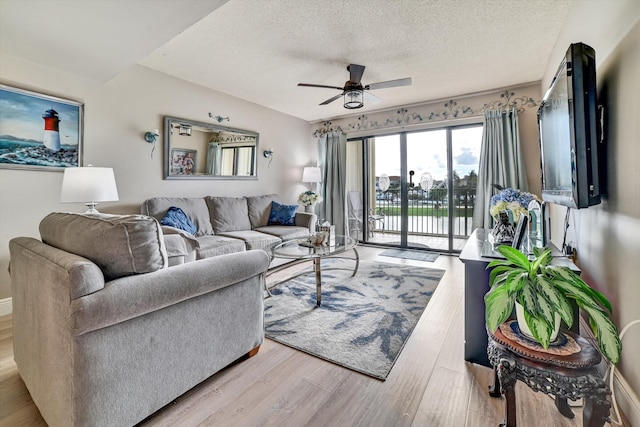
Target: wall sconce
[
  {"x": 268, "y": 153},
  {"x": 150, "y": 137},
  {"x": 219, "y": 119}
]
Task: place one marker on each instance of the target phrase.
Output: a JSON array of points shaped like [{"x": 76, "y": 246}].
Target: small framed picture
[
  {"x": 39, "y": 131},
  {"x": 521, "y": 229},
  {"x": 183, "y": 161}
]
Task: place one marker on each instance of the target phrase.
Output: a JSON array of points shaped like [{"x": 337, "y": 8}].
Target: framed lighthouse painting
[{"x": 39, "y": 131}]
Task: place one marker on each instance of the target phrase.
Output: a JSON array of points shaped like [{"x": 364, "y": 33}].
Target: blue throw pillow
[
  {"x": 175, "y": 217},
  {"x": 282, "y": 214}
]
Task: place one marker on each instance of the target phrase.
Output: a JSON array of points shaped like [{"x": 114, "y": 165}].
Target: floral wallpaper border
[{"x": 449, "y": 110}]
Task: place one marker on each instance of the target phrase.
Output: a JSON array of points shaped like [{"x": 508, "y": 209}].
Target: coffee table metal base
[{"x": 317, "y": 269}]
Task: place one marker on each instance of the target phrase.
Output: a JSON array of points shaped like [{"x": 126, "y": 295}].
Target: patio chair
[{"x": 356, "y": 215}]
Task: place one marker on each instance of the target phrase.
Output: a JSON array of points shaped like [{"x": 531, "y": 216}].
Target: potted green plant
[{"x": 544, "y": 292}]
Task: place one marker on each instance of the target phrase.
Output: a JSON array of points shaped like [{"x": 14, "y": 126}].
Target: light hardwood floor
[{"x": 430, "y": 384}]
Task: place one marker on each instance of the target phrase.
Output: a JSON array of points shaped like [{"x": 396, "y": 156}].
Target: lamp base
[{"x": 91, "y": 208}]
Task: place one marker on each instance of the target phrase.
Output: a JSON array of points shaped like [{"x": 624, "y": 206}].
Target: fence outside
[{"x": 428, "y": 211}]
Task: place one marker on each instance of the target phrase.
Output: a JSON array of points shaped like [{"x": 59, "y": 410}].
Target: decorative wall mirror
[{"x": 195, "y": 150}]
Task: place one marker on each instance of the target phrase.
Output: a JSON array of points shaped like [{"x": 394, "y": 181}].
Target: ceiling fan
[{"x": 353, "y": 90}]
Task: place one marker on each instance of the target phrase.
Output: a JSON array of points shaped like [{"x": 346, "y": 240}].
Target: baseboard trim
[
  {"x": 6, "y": 306},
  {"x": 627, "y": 399}
]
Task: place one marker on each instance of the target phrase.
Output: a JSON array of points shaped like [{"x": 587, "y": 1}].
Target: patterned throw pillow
[
  {"x": 175, "y": 217},
  {"x": 282, "y": 214}
]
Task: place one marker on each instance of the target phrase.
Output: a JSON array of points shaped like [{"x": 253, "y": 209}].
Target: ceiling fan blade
[
  {"x": 389, "y": 83},
  {"x": 330, "y": 100},
  {"x": 355, "y": 72},
  {"x": 324, "y": 86},
  {"x": 371, "y": 98}
]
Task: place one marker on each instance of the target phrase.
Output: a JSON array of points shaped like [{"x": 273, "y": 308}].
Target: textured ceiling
[
  {"x": 96, "y": 39},
  {"x": 258, "y": 50}
]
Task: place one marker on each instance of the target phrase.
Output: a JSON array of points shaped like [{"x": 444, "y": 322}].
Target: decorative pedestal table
[{"x": 567, "y": 371}]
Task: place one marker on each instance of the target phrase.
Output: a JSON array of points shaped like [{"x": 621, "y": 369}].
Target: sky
[
  {"x": 427, "y": 152},
  {"x": 21, "y": 116}
]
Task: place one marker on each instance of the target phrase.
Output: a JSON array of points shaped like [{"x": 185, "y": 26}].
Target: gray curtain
[
  {"x": 214, "y": 159},
  {"x": 500, "y": 161},
  {"x": 332, "y": 160}
]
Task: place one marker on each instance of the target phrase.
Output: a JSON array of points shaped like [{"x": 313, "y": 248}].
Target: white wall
[
  {"x": 607, "y": 236},
  {"x": 117, "y": 114}
]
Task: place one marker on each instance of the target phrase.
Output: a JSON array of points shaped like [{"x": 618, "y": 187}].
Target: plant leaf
[
  {"x": 598, "y": 296},
  {"x": 546, "y": 310},
  {"x": 606, "y": 333},
  {"x": 537, "y": 251},
  {"x": 595, "y": 295},
  {"x": 540, "y": 329},
  {"x": 515, "y": 256},
  {"x": 576, "y": 291},
  {"x": 527, "y": 299},
  {"x": 557, "y": 300},
  {"x": 493, "y": 276},
  {"x": 518, "y": 281},
  {"x": 542, "y": 260},
  {"x": 498, "y": 262},
  {"x": 498, "y": 307}
]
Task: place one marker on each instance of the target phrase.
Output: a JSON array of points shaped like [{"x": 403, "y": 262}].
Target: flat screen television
[{"x": 567, "y": 122}]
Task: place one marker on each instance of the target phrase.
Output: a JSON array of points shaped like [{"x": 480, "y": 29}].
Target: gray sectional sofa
[
  {"x": 225, "y": 225},
  {"x": 105, "y": 333}
]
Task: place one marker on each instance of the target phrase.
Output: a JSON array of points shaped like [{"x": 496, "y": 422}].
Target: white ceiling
[{"x": 258, "y": 50}]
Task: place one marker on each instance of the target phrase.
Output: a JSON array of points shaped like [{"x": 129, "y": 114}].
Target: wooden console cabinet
[{"x": 476, "y": 285}]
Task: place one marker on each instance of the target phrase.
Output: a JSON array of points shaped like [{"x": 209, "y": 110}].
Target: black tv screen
[{"x": 567, "y": 121}]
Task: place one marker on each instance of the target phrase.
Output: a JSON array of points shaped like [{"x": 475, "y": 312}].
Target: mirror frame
[{"x": 214, "y": 128}]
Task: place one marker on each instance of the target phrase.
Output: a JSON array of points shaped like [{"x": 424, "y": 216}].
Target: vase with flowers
[
  {"x": 506, "y": 208},
  {"x": 308, "y": 199}
]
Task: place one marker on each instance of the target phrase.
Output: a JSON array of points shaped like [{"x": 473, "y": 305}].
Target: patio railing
[{"x": 428, "y": 211}]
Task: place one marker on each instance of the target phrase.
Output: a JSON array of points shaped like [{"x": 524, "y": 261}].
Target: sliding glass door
[{"x": 414, "y": 189}]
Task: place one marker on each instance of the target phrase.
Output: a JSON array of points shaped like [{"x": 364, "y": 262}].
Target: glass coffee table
[{"x": 299, "y": 251}]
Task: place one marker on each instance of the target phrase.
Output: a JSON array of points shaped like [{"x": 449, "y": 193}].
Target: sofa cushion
[
  {"x": 282, "y": 214},
  {"x": 285, "y": 232},
  {"x": 175, "y": 217},
  {"x": 255, "y": 239},
  {"x": 120, "y": 245},
  {"x": 195, "y": 207},
  {"x": 260, "y": 209},
  {"x": 176, "y": 249},
  {"x": 210, "y": 246},
  {"x": 228, "y": 213}
]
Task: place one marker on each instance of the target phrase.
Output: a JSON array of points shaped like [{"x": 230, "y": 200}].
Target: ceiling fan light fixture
[{"x": 353, "y": 99}]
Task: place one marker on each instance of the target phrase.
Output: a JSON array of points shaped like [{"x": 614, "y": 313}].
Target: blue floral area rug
[
  {"x": 363, "y": 322},
  {"x": 407, "y": 254}
]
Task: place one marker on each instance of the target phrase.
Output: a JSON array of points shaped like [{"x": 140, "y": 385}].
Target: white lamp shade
[
  {"x": 90, "y": 184},
  {"x": 311, "y": 174}
]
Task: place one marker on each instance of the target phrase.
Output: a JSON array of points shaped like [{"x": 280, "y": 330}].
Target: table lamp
[
  {"x": 312, "y": 175},
  {"x": 88, "y": 185}
]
